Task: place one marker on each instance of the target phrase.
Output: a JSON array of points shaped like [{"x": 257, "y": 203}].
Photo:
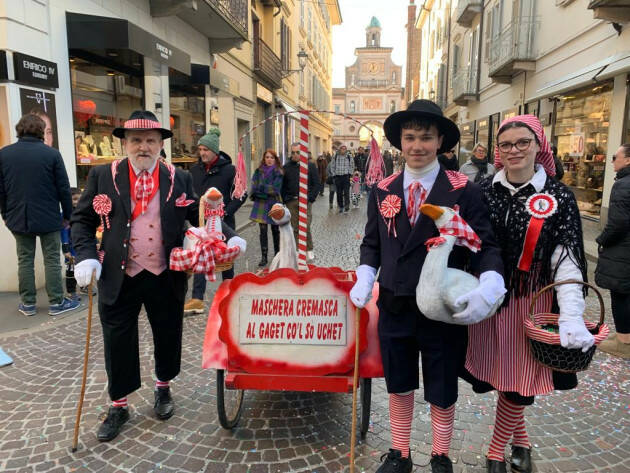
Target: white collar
[
  {"x": 538, "y": 180},
  {"x": 150, "y": 170},
  {"x": 427, "y": 180}
]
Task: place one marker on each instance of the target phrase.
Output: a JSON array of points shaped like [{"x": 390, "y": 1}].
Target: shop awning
[
  {"x": 100, "y": 34},
  {"x": 601, "y": 70}
]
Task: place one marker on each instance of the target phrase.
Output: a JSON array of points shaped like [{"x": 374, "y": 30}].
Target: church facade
[{"x": 373, "y": 91}]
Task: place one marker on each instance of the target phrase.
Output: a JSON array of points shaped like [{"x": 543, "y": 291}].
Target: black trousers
[
  {"x": 620, "y": 303},
  {"x": 342, "y": 184},
  {"x": 264, "y": 242},
  {"x": 165, "y": 311}
]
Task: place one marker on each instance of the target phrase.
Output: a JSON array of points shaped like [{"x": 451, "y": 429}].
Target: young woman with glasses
[{"x": 521, "y": 196}]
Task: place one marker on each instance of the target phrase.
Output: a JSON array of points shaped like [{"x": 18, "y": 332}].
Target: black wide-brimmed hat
[
  {"x": 142, "y": 120},
  {"x": 422, "y": 109}
]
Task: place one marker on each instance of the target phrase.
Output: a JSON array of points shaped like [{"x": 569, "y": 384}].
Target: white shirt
[{"x": 426, "y": 176}]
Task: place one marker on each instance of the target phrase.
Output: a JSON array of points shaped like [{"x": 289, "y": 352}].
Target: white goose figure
[
  {"x": 439, "y": 286},
  {"x": 213, "y": 200},
  {"x": 287, "y": 254}
]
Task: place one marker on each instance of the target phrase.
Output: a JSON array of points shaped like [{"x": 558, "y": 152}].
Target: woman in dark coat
[
  {"x": 613, "y": 265},
  {"x": 266, "y": 191}
]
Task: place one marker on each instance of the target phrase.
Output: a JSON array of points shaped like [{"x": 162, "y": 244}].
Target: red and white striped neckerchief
[
  {"x": 143, "y": 190},
  {"x": 413, "y": 204}
]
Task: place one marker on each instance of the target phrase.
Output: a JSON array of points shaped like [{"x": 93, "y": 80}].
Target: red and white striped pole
[{"x": 303, "y": 198}]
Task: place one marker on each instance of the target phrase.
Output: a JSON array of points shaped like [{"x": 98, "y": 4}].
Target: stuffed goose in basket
[
  {"x": 439, "y": 286},
  {"x": 205, "y": 250}
]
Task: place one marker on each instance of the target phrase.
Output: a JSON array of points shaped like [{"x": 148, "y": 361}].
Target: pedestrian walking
[
  {"x": 330, "y": 180},
  {"x": 214, "y": 169},
  {"x": 265, "y": 192},
  {"x": 477, "y": 167},
  {"x": 394, "y": 242},
  {"x": 448, "y": 160},
  {"x": 613, "y": 265},
  {"x": 291, "y": 193},
  {"x": 322, "y": 164},
  {"x": 342, "y": 169},
  {"x": 389, "y": 163},
  {"x": 355, "y": 189},
  {"x": 33, "y": 184},
  {"x": 143, "y": 205},
  {"x": 558, "y": 163},
  {"x": 499, "y": 355}
]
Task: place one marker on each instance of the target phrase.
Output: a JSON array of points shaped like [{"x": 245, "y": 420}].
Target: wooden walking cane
[
  {"x": 355, "y": 382},
  {"x": 75, "y": 441}
]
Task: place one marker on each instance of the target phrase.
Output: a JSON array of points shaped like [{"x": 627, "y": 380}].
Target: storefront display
[
  {"x": 581, "y": 134},
  {"x": 466, "y": 141},
  {"x": 483, "y": 134},
  {"x": 102, "y": 99}
]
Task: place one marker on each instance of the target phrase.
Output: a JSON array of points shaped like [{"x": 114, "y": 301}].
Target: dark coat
[
  {"x": 401, "y": 257},
  {"x": 449, "y": 164},
  {"x": 33, "y": 182},
  {"x": 265, "y": 194},
  {"x": 613, "y": 265},
  {"x": 114, "y": 243},
  {"x": 221, "y": 176},
  {"x": 291, "y": 182}
]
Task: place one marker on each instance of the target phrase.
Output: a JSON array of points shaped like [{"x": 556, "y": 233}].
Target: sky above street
[{"x": 356, "y": 15}]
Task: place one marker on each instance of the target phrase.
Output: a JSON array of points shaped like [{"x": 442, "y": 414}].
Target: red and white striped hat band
[
  {"x": 544, "y": 157},
  {"x": 141, "y": 124}
]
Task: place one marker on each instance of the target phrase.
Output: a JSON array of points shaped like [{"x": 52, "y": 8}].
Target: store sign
[
  {"x": 35, "y": 71},
  {"x": 42, "y": 104},
  {"x": 264, "y": 93},
  {"x": 292, "y": 320},
  {"x": 4, "y": 73},
  {"x": 576, "y": 144}
]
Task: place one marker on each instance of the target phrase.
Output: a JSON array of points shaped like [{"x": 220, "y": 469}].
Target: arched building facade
[{"x": 373, "y": 90}]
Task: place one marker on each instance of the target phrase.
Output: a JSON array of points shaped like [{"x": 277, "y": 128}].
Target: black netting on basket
[{"x": 558, "y": 358}]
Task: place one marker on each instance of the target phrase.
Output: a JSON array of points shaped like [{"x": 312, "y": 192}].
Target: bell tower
[{"x": 373, "y": 34}]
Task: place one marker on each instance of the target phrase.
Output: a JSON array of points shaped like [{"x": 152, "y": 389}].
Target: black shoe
[
  {"x": 110, "y": 428},
  {"x": 495, "y": 466},
  {"x": 441, "y": 464},
  {"x": 521, "y": 461},
  {"x": 263, "y": 261},
  {"x": 395, "y": 463},
  {"x": 163, "y": 407}
]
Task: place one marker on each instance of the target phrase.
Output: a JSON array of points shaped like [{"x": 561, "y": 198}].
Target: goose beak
[
  {"x": 276, "y": 212},
  {"x": 432, "y": 211},
  {"x": 214, "y": 194}
]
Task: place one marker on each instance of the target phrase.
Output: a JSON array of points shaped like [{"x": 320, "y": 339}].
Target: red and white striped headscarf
[{"x": 544, "y": 157}]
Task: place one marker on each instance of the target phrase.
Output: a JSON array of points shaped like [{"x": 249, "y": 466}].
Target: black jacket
[
  {"x": 400, "y": 256},
  {"x": 291, "y": 181},
  {"x": 33, "y": 182},
  {"x": 613, "y": 265},
  {"x": 114, "y": 243},
  {"x": 221, "y": 176},
  {"x": 448, "y": 164}
]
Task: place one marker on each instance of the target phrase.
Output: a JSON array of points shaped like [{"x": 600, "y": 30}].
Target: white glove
[
  {"x": 237, "y": 241},
  {"x": 361, "y": 292},
  {"x": 483, "y": 301},
  {"x": 83, "y": 271},
  {"x": 574, "y": 334}
]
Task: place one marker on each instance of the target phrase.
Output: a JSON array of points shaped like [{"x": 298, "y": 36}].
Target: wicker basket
[{"x": 546, "y": 346}]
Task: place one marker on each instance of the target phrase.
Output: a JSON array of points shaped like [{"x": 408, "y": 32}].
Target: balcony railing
[
  {"x": 373, "y": 83},
  {"x": 465, "y": 86},
  {"x": 513, "y": 50},
  {"x": 233, "y": 10},
  {"x": 466, "y": 11},
  {"x": 267, "y": 64}
]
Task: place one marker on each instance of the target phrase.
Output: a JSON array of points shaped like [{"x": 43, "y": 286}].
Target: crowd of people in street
[{"x": 121, "y": 229}]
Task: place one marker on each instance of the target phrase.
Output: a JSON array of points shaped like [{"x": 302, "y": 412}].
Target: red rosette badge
[
  {"x": 539, "y": 206},
  {"x": 102, "y": 205},
  {"x": 389, "y": 208}
]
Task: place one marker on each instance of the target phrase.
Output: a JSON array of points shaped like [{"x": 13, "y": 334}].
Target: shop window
[
  {"x": 581, "y": 134},
  {"x": 466, "y": 142},
  {"x": 102, "y": 99}
]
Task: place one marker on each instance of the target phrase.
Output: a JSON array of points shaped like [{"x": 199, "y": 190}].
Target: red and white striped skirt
[{"x": 499, "y": 352}]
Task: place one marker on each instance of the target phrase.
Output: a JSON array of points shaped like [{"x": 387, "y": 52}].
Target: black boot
[
  {"x": 495, "y": 466},
  {"x": 441, "y": 464},
  {"x": 395, "y": 463},
  {"x": 275, "y": 234},
  {"x": 263, "y": 259},
  {"x": 263, "y": 245},
  {"x": 110, "y": 428},
  {"x": 521, "y": 461}
]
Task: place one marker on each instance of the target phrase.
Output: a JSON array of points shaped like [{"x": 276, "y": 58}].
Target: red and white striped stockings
[
  {"x": 510, "y": 421},
  {"x": 122, "y": 402},
  {"x": 401, "y": 416}
]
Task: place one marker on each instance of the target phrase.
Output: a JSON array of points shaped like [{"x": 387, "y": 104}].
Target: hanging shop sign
[{"x": 35, "y": 71}]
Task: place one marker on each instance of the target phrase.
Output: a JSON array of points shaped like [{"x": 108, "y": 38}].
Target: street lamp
[{"x": 302, "y": 58}]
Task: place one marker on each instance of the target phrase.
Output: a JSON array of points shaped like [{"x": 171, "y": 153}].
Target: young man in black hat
[
  {"x": 142, "y": 204},
  {"x": 394, "y": 242}
]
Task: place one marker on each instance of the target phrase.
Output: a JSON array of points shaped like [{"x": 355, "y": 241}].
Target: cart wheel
[
  {"x": 229, "y": 403},
  {"x": 366, "y": 403}
]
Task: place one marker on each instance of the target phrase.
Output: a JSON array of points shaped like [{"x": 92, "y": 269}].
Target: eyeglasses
[
  {"x": 521, "y": 145},
  {"x": 295, "y": 152}
]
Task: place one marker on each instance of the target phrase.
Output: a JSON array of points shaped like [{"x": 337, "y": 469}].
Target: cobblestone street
[{"x": 585, "y": 430}]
